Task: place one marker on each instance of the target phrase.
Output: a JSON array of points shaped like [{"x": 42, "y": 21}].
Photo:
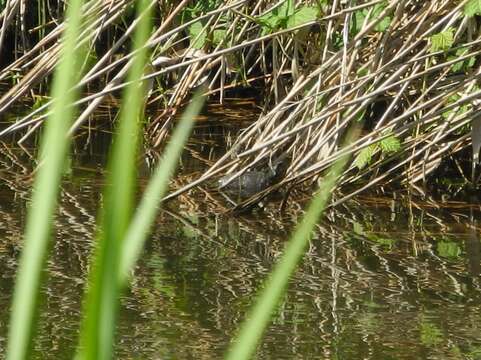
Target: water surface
[{"x": 384, "y": 278}]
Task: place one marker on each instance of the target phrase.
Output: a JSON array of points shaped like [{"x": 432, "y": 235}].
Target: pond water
[{"x": 384, "y": 278}]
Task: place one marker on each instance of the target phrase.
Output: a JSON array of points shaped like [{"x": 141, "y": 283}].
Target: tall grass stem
[
  {"x": 250, "y": 334},
  {"x": 156, "y": 189},
  {"x": 53, "y": 151},
  {"x": 103, "y": 290}
]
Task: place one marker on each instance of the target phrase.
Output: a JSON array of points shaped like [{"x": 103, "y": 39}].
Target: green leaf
[
  {"x": 301, "y": 16},
  {"x": 39, "y": 102},
  {"x": 358, "y": 20},
  {"x": 362, "y": 72},
  {"x": 337, "y": 40},
  {"x": 461, "y": 65},
  {"x": 384, "y": 242},
  {"x": 103, "y": 288},
  {"x": 277, "y": 18},
  {"x": 285, "y": 10},
  {"x": 448, "y": 249},
  {"x": 360, "y": 15},
  {"x": 365, "y": 155},
  {"x": 39, "y": 223},
  {"x": 387, "y": 145},
  {"x": 457, "y": 66},
  {"x": 430, "y": 334},
  {"x": 144, "y": 217},
  {"x": 269, "y": 23},
  {"x": 442, "y": 41},
  {"x": 390, "y": 144},
  {"x": 218, "y": 36},
  {"x": 386, "y": 20},
  {"x": 461, "y": 110},
  {"x": 197, "y": 35},
  {"x": 291, "y": 7},
  {"x": 451, "y": 100},
  {"x": 469, "y": 63},
  {"x": 472, "y": 7},
  {"x": 360, "y": 116},
  {"x": 474, "y": 352},
  {"x": 357, "y": 228},
  {"x": 201, "y": 7},
  {"x": 383, "y": 24}
]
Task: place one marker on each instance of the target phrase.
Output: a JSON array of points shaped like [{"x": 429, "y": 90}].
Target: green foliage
[
  {"x": 301, "y": 16},
  {"x": 39, "y": 102},
  {"x": 461, "y": 110},
  {"x": 53, "y": 153},
  {"x": 365, "y": 156},
  {"x": 384, "y": 242},
  {"x": 472, "y": 7},
  {"x": 360, "y": 116},
  {"x": 102, "y": 296},
  {"x": 286, "y": 16},
  {"x": 337, "y": 40},
  {"x": 430, "y": 334},
  {"x": 357, "y": 228},
  {"x": 442, "y": 41},
  {"x": 197, "y": 35},
  {"x": 218, "y": 36},
  {"x": 461, "y": 65},
  {"x": 197, "y": 31},
  {"x": 286, "y": 9},
  {"x": 200, "y": 7},
  {"x": 389, "y": 145},
  {"x": 144, "y": 217},
  {"x": 362, "y": 72},
  {"x": 448, "y": 249},
  {"x": 360, "y": 16},
  {"x": 119, "y": 241},
  {"x": 474, "y": 353},
  {"x": 276, "y": 18}
]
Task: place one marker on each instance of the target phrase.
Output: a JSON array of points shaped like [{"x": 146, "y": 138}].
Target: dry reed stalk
[
  {"x": 394, "y": 79},
  {"x": 313, "y": 92}
]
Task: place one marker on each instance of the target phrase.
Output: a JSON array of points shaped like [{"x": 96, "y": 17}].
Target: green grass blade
[
  {"x": 54, "y": 147},
  {"x": 253, "y": 327},
  {"x": 102, "y": 295},
  {"x": 155, "y": 191}
]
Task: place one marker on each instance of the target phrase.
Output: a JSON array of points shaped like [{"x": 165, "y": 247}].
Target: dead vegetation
[{"x": 405, "y": 72}]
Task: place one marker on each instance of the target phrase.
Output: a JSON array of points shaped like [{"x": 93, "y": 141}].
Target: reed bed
[{"x": 408, "y": 69}]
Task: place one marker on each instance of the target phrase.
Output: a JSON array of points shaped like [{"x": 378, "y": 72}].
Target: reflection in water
[
  {"x": 380, "y": 280},
  {"x": 473, "y": 251}
]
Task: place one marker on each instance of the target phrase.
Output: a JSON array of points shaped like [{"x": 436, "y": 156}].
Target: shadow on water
[{"x": 384, "y": 278}]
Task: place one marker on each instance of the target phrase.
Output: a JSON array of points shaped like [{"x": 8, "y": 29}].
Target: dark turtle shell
[
  {"x": 248, "y": 184},
  {"x": 251, "y": 182}
]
